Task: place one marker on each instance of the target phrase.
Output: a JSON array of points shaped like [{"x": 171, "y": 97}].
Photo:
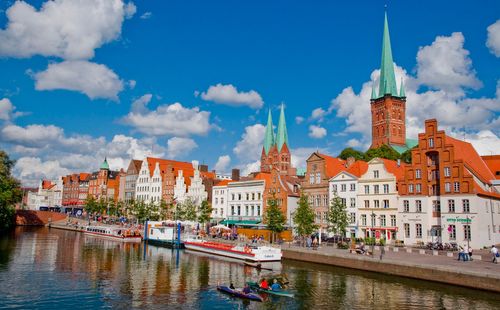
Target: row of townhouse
[
  {"x": 49, "y": 194},
  {"x": 448, "y": 193}
]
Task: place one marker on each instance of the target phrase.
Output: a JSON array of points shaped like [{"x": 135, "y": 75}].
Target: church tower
[
  {"x": 388, "y": 107},
  {"x": 269, "y": 143}
]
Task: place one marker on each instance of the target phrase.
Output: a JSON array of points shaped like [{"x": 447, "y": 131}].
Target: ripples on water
[{"x": 54, "y": 269}]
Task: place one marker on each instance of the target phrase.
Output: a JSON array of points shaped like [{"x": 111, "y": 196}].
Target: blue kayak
[
  {"x": 238, "y": 293},
  {"x": 254, "y": 286}
]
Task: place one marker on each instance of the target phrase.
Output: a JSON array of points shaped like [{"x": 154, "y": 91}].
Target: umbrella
[{"x": 220, "y": 226}]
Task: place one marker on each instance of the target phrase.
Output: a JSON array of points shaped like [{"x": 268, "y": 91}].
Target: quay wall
[
  {"x": 37, "y": 218},
  {"x": 404, "y": 269}
]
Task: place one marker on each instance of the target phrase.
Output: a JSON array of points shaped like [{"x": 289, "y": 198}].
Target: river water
[{"x": 43, "y": 268}]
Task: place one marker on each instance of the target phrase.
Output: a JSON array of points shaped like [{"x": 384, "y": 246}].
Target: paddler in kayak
[
  {"x": 275, "y": 287},
  {"x": 263, "y": 284}
]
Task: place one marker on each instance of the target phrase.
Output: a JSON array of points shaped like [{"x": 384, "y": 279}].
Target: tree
[
  {"x": 10, "y": 191},
  {"x": 189, "y": 210},
  {"x": 350, "y": 152},
  {"x": 140, "y": 211},
  {"x": 163, "y": 210},
  {"x": 383, "y": 151},
  {"x": 304, "y": 217},
  {"x": 337, "y": 216},
  {"x": 406, "y": 156},
  {"x": 90, "y": 205},
  {"x": 274, "y": 217},
  {"x": 205, "y": 212}
]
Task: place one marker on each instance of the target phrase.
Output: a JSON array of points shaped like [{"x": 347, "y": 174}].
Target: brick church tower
[
  {"x": 388, "y": 108},
  {"x": 275, "y": 151}
]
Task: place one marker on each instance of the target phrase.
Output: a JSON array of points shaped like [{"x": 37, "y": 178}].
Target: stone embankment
[
  {"x": 37, "y": 218},
  {"x": 478, "y": 274}
]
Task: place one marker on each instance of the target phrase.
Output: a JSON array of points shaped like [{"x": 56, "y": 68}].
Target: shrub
[{"x": 343, "y": 245}]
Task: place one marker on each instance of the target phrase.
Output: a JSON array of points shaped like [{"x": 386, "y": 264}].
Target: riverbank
[{"x": 477, "y": 274}]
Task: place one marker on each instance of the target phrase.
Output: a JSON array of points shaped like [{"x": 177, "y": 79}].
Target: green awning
[{"x": 233, "y": 222}]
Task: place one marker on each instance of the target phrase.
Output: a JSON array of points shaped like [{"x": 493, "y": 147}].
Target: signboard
[{"x": 459, "y": 220}]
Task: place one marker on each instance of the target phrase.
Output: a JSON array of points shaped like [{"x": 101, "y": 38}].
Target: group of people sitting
[{"x": 276, "y": 287}]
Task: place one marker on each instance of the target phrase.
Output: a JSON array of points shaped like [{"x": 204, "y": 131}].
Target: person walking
[
  {"x": 470, "y": 253},
  {"x": 466, "y": 253},
  {"x": 494, "y": 254},
  {"x": 382, "y": 252},
  {"x": 460, "y": 253}
]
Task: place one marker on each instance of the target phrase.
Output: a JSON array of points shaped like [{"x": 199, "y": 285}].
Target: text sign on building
[{"x": 459, "y": 220}]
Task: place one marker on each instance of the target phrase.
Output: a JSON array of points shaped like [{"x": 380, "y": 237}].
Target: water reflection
[{"x": 41, "y": 268}]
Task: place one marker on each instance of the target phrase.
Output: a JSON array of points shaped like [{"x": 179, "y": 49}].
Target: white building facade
[
  {"x": 148, "y": 187},
  {"x": 345, "y": 186},
  {"x": 195, "y": 192}
]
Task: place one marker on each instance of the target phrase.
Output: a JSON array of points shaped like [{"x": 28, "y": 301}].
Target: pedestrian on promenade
[
  {"x": 308, "y": 241},
  {"x": 382, "y": 252},
  {"x": 315, "y": 242},
  {"x": 466, "y": 253},
  {"x": 461, "y": 253},
  {"x": 494, "y": 254},
  {"x": 470, "y": 253}
]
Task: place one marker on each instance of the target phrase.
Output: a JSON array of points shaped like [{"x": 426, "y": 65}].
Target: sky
[{"x": 193, "y": 80}]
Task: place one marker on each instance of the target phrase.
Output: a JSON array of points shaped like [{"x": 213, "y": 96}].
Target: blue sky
[{"x": 319, "y": 59}]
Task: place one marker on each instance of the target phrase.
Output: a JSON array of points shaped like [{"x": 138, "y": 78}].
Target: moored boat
[
  {"x": 163, "y": 236},
  {"x": 244, "y": 252},
  {"x": 114, "y": 233},
  {"x": 238, "y": 293}
]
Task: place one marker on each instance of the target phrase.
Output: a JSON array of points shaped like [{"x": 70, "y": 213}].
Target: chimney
[
  {"x": 399, "y": 162},
  {"x": 204, "y": 168},
  {"x": 235, "y": 174}
]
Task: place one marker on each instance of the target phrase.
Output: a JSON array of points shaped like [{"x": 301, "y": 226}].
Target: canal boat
[
  {"x": 114, "y": 233},
  {"x": 163, "y": 236},
  {"x": 254, "y": 286},
  {"x": 239, "y": 293},
  {"x": 242, "y": 252}
]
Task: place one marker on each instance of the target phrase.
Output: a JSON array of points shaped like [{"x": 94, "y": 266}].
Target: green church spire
[
  {"x": 387, "y": 77},
  {"x": 402, "y": 93},
  {"x": 282, "y": 135},
  {"x": 374, "y": 94},
  {"x": 269, "y": 140},
  {"x": 104, "y": 165}
]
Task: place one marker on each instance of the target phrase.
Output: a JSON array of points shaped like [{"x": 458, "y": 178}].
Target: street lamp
[{"x": 372, "y": 234}]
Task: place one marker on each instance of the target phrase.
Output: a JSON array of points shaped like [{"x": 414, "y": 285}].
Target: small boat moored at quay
[
  {"x": 239, "y": 293},
  {"x": 243, "y": 252},
  {"x": 163, "y": 236},
  {"x": 114, "y": 233}
]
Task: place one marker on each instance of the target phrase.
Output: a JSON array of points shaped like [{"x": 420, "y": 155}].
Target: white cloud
[
  {"x": 446, "y": 65},
  {"x": 32, "y": 169},
  {"x": 130, "y": 10},
  {"x": 146, "y": 15},
  {"x": 63, "y": 28},
  {"x": 178, "y": 146},
  {"x": 132, "y": 83},
  {"x": 91, "y": 79},
  {"x": 223, "y": 163},
  {"x": 246, "y": 169},
  {"x": 493, "y": 40},
  {"x": 318, "y": 114},
  {"x": 167, "y": 119},
  {"x": 31, "y": 135},
  {"x": 6, "y": 109},
  {"x": 299, "y": 120},
  {"x": 249, "y": 147},
  {"x": 301, "y": 154},
  {"x": 485, "y": 141},
  {"x": 229, "y": 95},
  {"x": 317, "y": 132}
]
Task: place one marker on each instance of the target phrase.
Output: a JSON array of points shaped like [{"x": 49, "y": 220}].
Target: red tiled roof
[
  {"x": 266, "y": 176},
  {"x": 482, "y": 192},
  {"x": 466, "y": 152},
  {"x": 46, "y": 184},
  {"x": 392, "y": 167},
  {"x": 358, "y": 168},
  {"x": 333, "y": 165},
  {"x": 493, "y": 163},
  {"x": 223, "y": 182}
]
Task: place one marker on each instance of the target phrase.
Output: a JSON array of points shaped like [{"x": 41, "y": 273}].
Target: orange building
[{"x": 104, "y": 183}]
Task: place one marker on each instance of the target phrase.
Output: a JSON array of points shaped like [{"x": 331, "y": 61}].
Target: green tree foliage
[
  {"x": 304, "y": 217},
  {"x": 406, "y": 156},
  {"x": 350, "y": 152},
  {"x": 383, "y": 151},
  {"x": 274, "y": 217},
  {"x": 90, "y": 205},
  {"x": 189, "y": 210},
  {"x": 205, "y": 212},
  {"x": 10, "y": 192},
  {"x": 337, "y": 216},
  {"x": 140, "y": 211}
]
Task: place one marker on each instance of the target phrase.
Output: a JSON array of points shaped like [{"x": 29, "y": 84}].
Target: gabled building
[
  {"x": 131, "y": 176},
  {"x": 388, "y": 106},
  {"x": 47, "y": 197},
  {"x": 449, "y": 193},
  {"x": 195, "y": 192},
  {"x": 105, "y": 183},
  {"x": 286, "y": 190},
  {"x": 345, "y": 186},
  {"x": 75, "y": 190}
]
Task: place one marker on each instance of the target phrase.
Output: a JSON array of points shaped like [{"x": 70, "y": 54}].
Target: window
[
  {"x": 467, "y": 232},
  {"x": 367, "y": 189},
  {"x": 418, "y": 188},
  {"x": 451, "y": 206},
  {"x": 456, "y": 187},
  {"x": 406, "y": 206},
  {"x": 334, "y": 188},
  {"x": 436, "y": 206},
  {"x": 344, "y": 203},
  {"x": 318, "y": 217},
  {"x": 325, "y": 200},
  {"x": 318, "y": 200},
  {"x": 232, "y": 196},
  {"x": 353, "y": 202},
  {"x": 367, "y": 203},
  {"x": 232, "y": 210},
  {"x": 258, "y": 210},
  {"x": 239, "y": 210},
  {"x": 386, "y": 188},
  {"x": 418, "y": 174},
  {"x": 418, "y": 206},
  {"x": 465, "y": 205},
  {"x": 222, "y": 201},
  {"x": 407, "y": 230},
  {"x": 386, "y": 203},
  {"x": 452, "y": 229},
  {"x": 393, "y": 221},
  {"x": 410, "y": 188},
  {"x": 376, "y": 189},
  {"x": 375, "y": 174},
  {"x": 431, "y": 142},
  {"x": 447, "y": 187},
  {"x": 363, "y": 219},
  {"x": 447, "y": 171},
  {"x": 325, "y": 216},
  {"x": 259, "y": 196},
  {"x": 382, "y": 221},
  {"x": 418, "y": 230},
  {"x": 248, "y": 196},
  {"x": 373, "y": 219},
  {"x": 216, "y": 201},
  {"x": 353, "y": 187},
  {"x": 343, "y": 187},
  {"x": 311, "y": 178},
  {"x": 376, "y": 204},
  {"x": 318, "y": 177},
  {"x": 352, "y": 218}
]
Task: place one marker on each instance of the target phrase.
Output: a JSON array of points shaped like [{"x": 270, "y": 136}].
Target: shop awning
[{"x": 234, "y": 222}]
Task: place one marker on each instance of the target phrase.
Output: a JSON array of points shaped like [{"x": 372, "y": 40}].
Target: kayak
[
  {"x": 256, "y": 287},
  {"x": 238, "y": 293}
]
